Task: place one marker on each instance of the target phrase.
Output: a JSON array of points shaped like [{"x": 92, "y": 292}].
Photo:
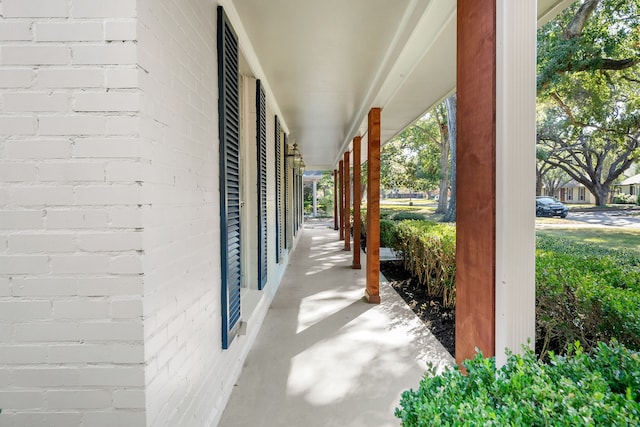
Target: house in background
[
  {"x": 150, "y": 195},
  {"x": 630, "y": 186},
  {"x": 574, "y": 192}
]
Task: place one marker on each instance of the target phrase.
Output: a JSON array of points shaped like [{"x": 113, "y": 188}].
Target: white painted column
[
  {"x": 315, "y": 199},
  {"x": 515, "y": 175}
]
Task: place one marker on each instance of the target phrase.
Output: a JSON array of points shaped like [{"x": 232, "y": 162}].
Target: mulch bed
[{"x": 440, "y": 321}]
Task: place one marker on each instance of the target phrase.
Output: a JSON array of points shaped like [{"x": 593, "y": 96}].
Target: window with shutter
[
  {"x": 286, "y": 197},
  {"x": 279, "y": 226},
  {"x": 261, "y": 109},
  {"x": 295, "y": 203},
  {"x": 229, "y": 133}
]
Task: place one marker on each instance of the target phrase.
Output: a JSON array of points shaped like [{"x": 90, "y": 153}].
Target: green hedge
[
  {"x": 388, "y": 233},
  {"x": 428, "y": 251},
  {"x": 578, "y": 390},
  {"x": 404, "y": 215},
  {"x": 585, "y": 293}
]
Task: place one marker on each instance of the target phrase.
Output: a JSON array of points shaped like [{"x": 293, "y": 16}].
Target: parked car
[{"x": 548, "y": 206}]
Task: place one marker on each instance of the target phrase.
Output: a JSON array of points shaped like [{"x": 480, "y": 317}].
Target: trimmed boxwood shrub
[
  {"x": 577, "y": 390},
  {"x": 387, "y": 229},
  {"x": 428, "y": 251},
  {"x": 388, "y": 233},
  {"x": 404, "y": 215},
  {"x": 585, "y": 293}
]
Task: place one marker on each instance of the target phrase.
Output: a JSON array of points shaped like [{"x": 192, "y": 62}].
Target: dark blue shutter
[
  {"x": 286, "y": 197},
  {"x": 299, "y": 202},
  {"x": 295, "y": 203},
  {"x": 229, "y": 130},
  {"x": 279, "y": 237},
  {"x": 261, "y": 109}
]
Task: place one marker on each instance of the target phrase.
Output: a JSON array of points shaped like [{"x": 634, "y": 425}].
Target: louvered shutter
[
  {"x": 286, "y": 197},
  {"x": 261, "y": 109},
  {"x": 300, "y": 202},
  {"x": 295, "y": 203},
  {"x": 229, "y": 129},
  {"x": 279, "y": 227}
]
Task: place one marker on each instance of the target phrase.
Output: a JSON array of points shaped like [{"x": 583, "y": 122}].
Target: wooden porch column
[
  {"x": 357, "y": 141},
  {"x": 476, "y": 179},
  {"x": 335, "y": 199},
  {"x": 495, "y": 279},
  {"x": 347, "y": 202},
  {"x": 341, "y": 196},
  {"x": 372, "y": 292}
]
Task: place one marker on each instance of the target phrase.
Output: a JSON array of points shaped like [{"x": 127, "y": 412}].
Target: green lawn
[{"x": 614, "y": 238}]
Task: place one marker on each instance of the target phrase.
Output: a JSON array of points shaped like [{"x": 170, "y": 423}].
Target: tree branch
[
  {"x": 567, "y": 110},
  {"x": 631, "y": 79},
  {"x": 605, "y": 64},
  {"x": 580, "y": 19}
]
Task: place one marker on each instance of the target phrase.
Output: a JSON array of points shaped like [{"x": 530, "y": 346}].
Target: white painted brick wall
[
  {"x": 103, "y": 9},
  {"x": 35, "y": 8},
  {"x": 71, "y": 247},
  {"x": 107, "y": 54},
  {"x": 15, "y": 31},
  {"x": 16, "y": 77},
  {"x": 189, "y": 377},
  {"x": 182, "y": 258},
  {"x": 34, "y": 55},
  {"x": 69, "y": 31},
  {"x": 120, "y": 30},
  {"x": 53, "y": 78},
  {"x": 109, "y": 249},
  {"x": 34, "y": 101}
]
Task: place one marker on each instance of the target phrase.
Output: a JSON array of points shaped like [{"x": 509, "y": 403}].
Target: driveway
[{"x": 592, "y": 219}]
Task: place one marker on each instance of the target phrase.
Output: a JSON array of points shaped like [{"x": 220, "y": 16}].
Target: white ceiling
[{"x": 326, "y": 63}]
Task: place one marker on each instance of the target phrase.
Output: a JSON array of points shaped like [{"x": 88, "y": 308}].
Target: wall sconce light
[{"x": 294, "y": 158}]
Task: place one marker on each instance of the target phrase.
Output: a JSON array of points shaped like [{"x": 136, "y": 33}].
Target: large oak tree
[{"x": 589, "y": 92}]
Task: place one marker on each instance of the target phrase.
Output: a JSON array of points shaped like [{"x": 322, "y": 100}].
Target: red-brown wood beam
[
  {"x": 335, "y": 199},
  {"x": 357, "y": 142},
  {"x": 372, "y": 292},
  {"x": 341, "y": 197},
  {"x": 347, "y": 202},
  {"x": 476, "y": 178}
]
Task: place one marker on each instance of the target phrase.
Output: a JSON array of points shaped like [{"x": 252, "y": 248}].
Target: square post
[
  {"x": 476, "y": 179},
  {"x": 335, "y": 199},
  {"x": 495, "y": 278},
  {"x": 357, "y": 141},
  {"x": 341, "y": 197},
  {"x": 347, "y": 202},
  {"x": 372, "y": 292},
  {"x": 314, "y": 197}
]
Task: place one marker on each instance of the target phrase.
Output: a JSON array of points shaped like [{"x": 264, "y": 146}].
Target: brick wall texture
[{"x": 109, "y": 255}]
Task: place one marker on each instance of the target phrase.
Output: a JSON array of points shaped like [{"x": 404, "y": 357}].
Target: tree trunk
[
  {"x": 444, "y": 169},
  {"x": 600, "y": 194},
  {"x": 450, "y": 216},
  {"x": 538, "y": 183}
]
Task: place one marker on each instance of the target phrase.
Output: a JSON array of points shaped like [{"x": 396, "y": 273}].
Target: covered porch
[
  {"x": 324, "y": 356},
  {"x": 347, "y": 78}
]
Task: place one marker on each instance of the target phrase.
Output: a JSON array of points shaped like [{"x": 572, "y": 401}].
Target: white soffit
[{"x": 326, "y": 63}]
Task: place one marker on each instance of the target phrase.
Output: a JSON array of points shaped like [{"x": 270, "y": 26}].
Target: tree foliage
[
  {"x": 411, "y": 160},
  {"x": 593, "y": 35},
  {"x": 589, "y": 92}
]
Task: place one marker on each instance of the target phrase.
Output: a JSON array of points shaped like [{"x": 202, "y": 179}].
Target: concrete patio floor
[{"x": 325, "y": 357}]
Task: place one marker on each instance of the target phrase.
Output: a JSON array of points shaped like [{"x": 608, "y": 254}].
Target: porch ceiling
[{"x": 328, "y": 62}]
